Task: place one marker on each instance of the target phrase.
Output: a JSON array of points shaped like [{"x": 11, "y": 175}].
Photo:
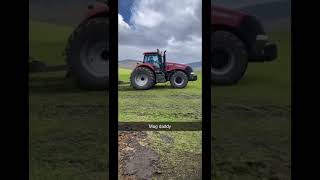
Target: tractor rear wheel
[
  {"x": 142, "y": 78},
  {"x": 87, "y": 54},
  {"x": 179, "y": 79},
  {"x": 230, "y": 58}
]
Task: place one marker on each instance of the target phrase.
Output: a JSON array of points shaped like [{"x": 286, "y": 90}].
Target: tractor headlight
[
  {"x": 193, "y": 76},
  {"x": 262, "y": 37}
]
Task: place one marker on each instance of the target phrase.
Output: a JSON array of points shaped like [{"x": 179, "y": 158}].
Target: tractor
[
  {"x": 154, "y": 69},
  {"x": 237, "y": 39}
]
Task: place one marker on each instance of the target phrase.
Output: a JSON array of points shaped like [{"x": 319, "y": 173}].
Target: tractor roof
[{"x": 146, "y": 53}]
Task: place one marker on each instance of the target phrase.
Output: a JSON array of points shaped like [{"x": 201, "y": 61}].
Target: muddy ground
[
  {"x": 136, "y": 159},
  {"x": 141, "y": 158}
]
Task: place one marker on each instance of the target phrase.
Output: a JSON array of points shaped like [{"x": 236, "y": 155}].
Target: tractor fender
[
  {"x": 173, "y": 67},
  {"x": 97, "y": 9},
  {"x": 147, "y": 65},
  {"x": 246, "y": 27},
  {"x": 173, "y": 71},
  {"x": 227, "y": 17}
]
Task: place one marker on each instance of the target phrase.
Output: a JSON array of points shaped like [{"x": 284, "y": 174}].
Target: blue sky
[{"x": 125, "y": 9}]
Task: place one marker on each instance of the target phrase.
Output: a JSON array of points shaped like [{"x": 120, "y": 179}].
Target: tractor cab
[{"x": 156, "y": 59}]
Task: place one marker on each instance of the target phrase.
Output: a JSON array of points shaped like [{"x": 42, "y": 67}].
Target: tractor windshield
[{"x": 153, "y": 59}]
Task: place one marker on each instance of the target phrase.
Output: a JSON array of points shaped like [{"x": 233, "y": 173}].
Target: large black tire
[
  {"x": 142, "y": 78},
  {"x": 87, "y": 54},
  {"x": 230, "y": 58},
  {"x": 179, "y": 80}
]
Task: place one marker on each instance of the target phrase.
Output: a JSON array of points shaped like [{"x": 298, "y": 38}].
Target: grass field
[
  {"x": 69, "y": 127},
  {"x": 251, "y": 121},
  {"x": 161, "y": 103},
  {"x": 47, "y": 41}
]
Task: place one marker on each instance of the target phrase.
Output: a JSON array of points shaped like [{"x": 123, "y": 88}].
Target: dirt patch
[{"x": 136, "y": 159}]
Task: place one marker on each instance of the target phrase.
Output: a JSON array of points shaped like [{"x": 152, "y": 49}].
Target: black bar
[
  {"x": 206, "y": 90},
  {"x": 113, "y": 91}
]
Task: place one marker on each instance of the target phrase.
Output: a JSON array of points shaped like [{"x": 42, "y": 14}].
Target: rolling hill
[
  {"x": 128, "y": 63},
  {"x": 196, "y": 65}
]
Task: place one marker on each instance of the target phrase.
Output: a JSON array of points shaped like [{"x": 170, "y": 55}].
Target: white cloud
[
  {"x": 122, "y": 24},
  {"x": 155, "y": 24},
  {"x": 148, "y": 18}
]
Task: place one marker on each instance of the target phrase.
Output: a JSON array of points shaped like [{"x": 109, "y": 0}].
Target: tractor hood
[
  {"x": 171, "y": 66},
  {"x": 225, "y": 16},
  {"x": 97, "y": 9}
]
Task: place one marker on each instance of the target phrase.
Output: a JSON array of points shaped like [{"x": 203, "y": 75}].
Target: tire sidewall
[
  {"x": 142, "y": 70},
  {"x": 178, "y": 74},
  {"x": 238, "y": 57},
  {"x": 89, "y": 32}
]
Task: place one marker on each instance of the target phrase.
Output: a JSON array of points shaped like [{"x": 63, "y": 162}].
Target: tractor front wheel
[
  {"x": 179, "y": 80},
  {"x": 142, "y": 78},
  {"x": 230, "y": 58}
]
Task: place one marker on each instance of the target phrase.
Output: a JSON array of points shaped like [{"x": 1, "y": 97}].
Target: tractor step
[{"x": 160, "y": 77}]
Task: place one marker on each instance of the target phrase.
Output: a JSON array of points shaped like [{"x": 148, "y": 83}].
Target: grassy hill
[
  {"x": 128, "y": 64},
  {"x": 196, "y": 66}
]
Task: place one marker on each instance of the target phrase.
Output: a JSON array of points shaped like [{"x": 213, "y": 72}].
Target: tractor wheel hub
[{"x": 141, "y": 79}]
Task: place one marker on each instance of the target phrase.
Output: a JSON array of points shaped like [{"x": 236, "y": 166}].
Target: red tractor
[
  {"x": 237, "y": 38},
  {"x": 154, "y": 69}
]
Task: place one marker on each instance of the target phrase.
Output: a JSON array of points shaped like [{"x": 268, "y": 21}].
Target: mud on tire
[
  {"x": 230, "y": 58},
  {"x": 142, "y": 78},
  {"x": 179, "y": 79},
  {"x": 87, "y": 54}
]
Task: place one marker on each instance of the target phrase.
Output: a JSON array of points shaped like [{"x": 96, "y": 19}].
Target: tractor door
[{"x": 154, "y": 60}]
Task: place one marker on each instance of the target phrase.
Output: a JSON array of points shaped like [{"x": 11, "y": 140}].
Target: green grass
[
  {"x": 124, "y": 74},
  {"x": 68, "y": 130},
  {"x": 68, "y": 127},
  {"x": 48, "y": 41},
  {"x": 251, "y": 121},
  {"x": 161, "y": 103}
]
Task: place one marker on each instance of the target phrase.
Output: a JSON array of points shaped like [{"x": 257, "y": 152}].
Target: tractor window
[{"x": 153, "y": 59}]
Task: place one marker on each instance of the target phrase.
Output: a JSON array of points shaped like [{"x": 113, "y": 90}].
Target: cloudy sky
[{"x": 175, "y": 26}]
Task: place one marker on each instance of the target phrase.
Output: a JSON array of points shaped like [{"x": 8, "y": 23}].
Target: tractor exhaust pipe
[{"x": 164, "y": 60}]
